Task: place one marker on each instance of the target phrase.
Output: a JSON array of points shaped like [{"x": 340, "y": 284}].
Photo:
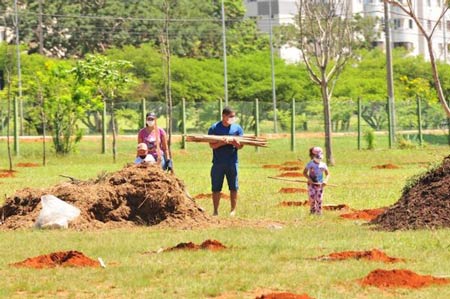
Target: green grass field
[{"x": 258, "y": 258}]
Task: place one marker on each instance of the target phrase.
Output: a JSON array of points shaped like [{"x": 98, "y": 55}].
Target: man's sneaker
[{"x": 233, "y": 213}]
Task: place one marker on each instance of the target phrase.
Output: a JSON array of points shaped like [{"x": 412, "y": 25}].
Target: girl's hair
[{"x": 311, "y": 154}]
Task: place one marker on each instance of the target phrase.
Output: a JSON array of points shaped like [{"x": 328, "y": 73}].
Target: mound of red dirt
[
  {"x": 271, "y": 166},
  {"x": 399, "y": 278},
  {"x": 367, "y": 214},
  {"x": 386, "y": 166},
  {"x": 424, "y": 203},
  {"x": 290, "y": 174},
  {"x": 4, "y": 173},
  {"x": 136, "y": 195},
  {"x": 283, "y": 296},
  {"x": 293, "y": 203},
  {"x": 371, "y": 255},
  {"x": 209, "y": 196},
  {"x": 63, "y": 258},
  {"x": 293, "y": 190},
  {"x": 212, "y": 245},
  {"x": 29, "y": 164},
  {"x": 292, "y": 163}
]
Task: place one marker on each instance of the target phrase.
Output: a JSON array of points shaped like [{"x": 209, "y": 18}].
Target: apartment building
[{"x": 404, "y": 31}]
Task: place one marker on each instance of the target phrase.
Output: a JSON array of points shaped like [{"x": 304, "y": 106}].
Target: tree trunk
[{"x": 327, "y": 121}]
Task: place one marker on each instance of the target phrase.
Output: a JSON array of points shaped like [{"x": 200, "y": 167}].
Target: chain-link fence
[{"x": 308, "y": 117}]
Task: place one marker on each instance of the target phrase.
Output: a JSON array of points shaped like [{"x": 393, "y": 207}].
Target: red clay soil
[
  {"x": 293, "y": 203},
  {"x": 292, "y": 163},
  {"x": 209, "y": 196},
  {"x": 4, "y": 173},
  {"x": 270, "y": 166},
  {"x": 371, "y": 255},
  {"x": 29, "y": 164},
  {"x": 291, "y": 168},
  {"x": 212, "y": 245},
  {"x": 293, "y": 190},
  {"x": 63, "y": 258},
  {"x": 283, "y": 296},
  {"x": 368, "y": 214},
  {"x": 399, "y": 278},
  {"x": 386, "y": 166},
  {"x": 291, "y": 174}
]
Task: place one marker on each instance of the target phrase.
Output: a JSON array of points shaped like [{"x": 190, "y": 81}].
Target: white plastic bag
[{"x": 55, "y": 213}]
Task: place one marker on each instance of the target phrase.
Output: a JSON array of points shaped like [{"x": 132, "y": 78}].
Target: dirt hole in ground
[
  {"x": 212, "y": 245},
  {"x": 293, "y": 203},
  {"x": 271, "y": 166},
  {"x": 371, "y": 255},
  {"x": 28, "y": 164},
  {"x": 5, "y": 173},
  {"x": 399, "y": 278},
  {"x": 290, "y": 174},
  {"x": 290, "y": 168},
  {"x": 424, "y": 203},
  {"x": 70, "y": 258},
  {"x": 209, "y": 196},
  {"x": 136, "y": 195},
  {"x": 386, "y": 166},
  {"x": 367, "y": 214},
  {"x": 293, "y": 190},
  {"x": 283, "y": 296}
]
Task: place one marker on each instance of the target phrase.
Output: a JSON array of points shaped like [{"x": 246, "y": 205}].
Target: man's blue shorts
[{"x": 219, "y": 171}]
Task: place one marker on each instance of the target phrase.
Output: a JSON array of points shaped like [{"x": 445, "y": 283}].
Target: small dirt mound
[
  {"x": 212, "y": 245},
  {"x": 4, "y": 173},
  {"x": 58, "y": 259},
  {"x": 209, "y": 196},
  {"x": 425, "y": 202},
  {"x": 290, "y": 168},
  {"x": 371, "y": 255},
  {"x": 290, "y": 174},
  {"x": 283, "y": 296},
  {"x": 28, "y": 164},
  {"x": 293, "y": 203},
  {"x": 292, "y": 163},
  {"x": 136, "y": 195},
  {"x": 271, "y": 166},
  {"x": 386, "y": 166},
  {"x": 293, "y": 190},
  {"x": 368, "y": 214},
  {"x": 399, "y": 278},
  {"x": 337, "y": 207}
]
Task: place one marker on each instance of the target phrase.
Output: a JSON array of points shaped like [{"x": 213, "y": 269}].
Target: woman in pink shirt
[{"x": 156, "y": 141}]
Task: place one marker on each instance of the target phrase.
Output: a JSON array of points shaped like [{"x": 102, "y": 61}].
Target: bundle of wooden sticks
[{"x": 246, "y": 140}]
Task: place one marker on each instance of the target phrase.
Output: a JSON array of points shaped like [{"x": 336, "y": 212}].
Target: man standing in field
[{"x": 225, "y": 158}]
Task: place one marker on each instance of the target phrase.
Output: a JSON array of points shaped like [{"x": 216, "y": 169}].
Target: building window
[
  {"x": 429, "y": 24},
  {"x": 410, "y": 24},
  {"x": 448, "y": 25},
  {"x": 398, "y": 23}
]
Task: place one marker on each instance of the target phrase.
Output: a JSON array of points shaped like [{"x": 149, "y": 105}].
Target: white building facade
[{"x": 404, "y": 31}]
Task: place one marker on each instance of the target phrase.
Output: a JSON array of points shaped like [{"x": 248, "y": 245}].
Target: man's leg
[
  {"x": 217, "y": 176},
  {"x": 216, "y": 202},
  {"x": 233, "y": 201}
]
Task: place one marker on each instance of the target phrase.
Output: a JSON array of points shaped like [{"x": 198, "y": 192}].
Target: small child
[
  {"x": 142, "y": 155},
  {"x": 314, "y": 171}
]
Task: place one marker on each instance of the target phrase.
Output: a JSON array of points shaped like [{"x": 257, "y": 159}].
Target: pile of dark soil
[
  {"x": 135, "y": 195},
  {"x": 284, "y": 296},
  {"x": 425, "y": 203},
  {"x": 70, "y": 258},
  {"x": 399, "y": 278},
  {"x": 212, "y": 245},
  {"x": 370, "y": 255}
]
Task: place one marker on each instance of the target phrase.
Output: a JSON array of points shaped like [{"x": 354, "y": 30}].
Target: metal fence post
[
  {"x": 143, "y": 113},
  {"x": 293, "y": 125},
  {"x": 359, "y": 123},
  {"x": 256, "y": 121},
  {"x": 16, "y": 127},
  {"x": 220, "y": 108},
  {"x": 104, "y": 128},
  {"x": 419, "y": 119},
  {"x": 389, "y": 112},
  {"x": 183, "y": 113}
]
